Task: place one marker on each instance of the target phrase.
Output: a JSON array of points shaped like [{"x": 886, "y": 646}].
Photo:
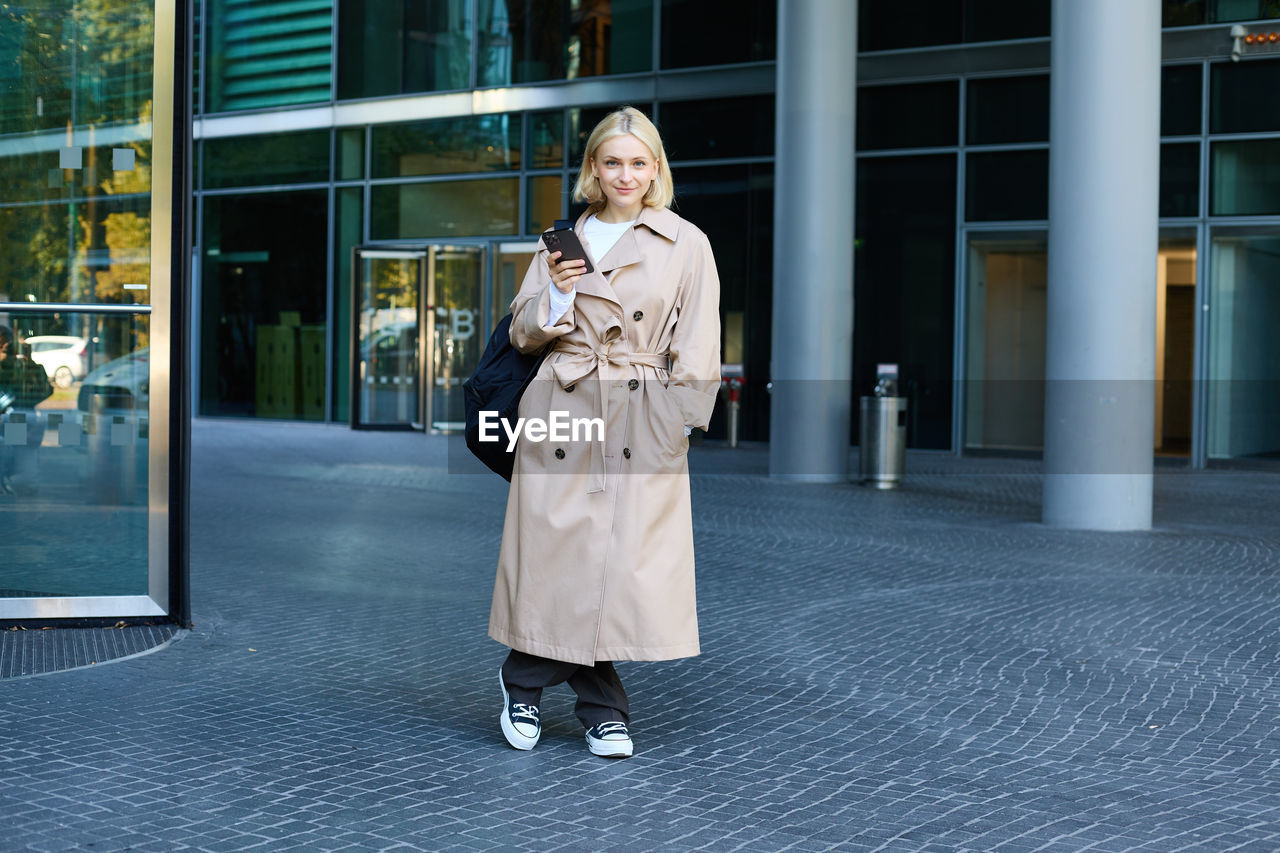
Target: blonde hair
[{"x": 622, "y": 121}]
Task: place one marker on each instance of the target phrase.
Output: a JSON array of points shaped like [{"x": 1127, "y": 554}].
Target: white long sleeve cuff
[{"x": 560, "y": 303}]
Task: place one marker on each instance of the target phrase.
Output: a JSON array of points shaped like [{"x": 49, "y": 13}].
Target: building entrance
[
  {"x": 1005, "y": 304},
  {"x": 418, "y": 333}
]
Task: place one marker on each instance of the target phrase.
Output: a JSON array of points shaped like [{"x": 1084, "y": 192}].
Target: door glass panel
[
  {"x": 387, "y": 361},
  {"x": 1006, "y": 331},
  {"x": 1244, "y": 349},
  {"x": 74, "y": 426},
  {"x": 457, "y": 309},
  {"x": 1175, "y": 344}
]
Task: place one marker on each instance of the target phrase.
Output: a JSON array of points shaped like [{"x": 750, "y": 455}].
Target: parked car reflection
[
  {"x": 64, "y": 357},
  {"x": 117, "y": 385}
]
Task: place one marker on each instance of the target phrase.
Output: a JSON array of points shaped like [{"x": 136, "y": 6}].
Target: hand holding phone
[{"x": 568, "y": 260}]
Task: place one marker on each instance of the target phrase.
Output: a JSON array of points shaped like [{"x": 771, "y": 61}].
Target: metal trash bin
[{"x": 882, "y": 441}]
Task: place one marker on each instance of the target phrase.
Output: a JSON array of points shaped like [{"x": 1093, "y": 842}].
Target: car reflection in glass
[{"x": 120, "y": 385}]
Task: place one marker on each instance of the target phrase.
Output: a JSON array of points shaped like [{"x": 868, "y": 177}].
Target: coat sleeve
[
  {"x": 695, "y": 341},
  {"x": 531, "y": 309}
]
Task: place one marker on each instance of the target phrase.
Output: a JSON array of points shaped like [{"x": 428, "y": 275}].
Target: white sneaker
[
  {"x": 520, "y": 722},
  {"x": 609, "y": 740}
]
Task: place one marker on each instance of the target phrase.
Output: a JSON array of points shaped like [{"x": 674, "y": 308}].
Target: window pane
[
  {"x": 584, "y": 120},
  {"x": 350, "y": 165},
  {"x": 734, "y": 206},
  {"x": 560, "y": 39},
  {"x": 1182, "y": 13},
  {"x": 1007, "y": 186},
  {"x": 546, "y": 140},
  {"x": 262, "y": 309},
  {"x": 1244, "y": 96},
  {"x": 1179, "y": 100},
  {"x": 545, "y": 195},
  {"x": 268, "y": 54},
  {"x": 904, "y": 285},
  {"x": 392, "y": 47},
  {"x": 282, "y": 158},
  {"x": 1007, "y": 109},
  {"x": 725, "y": 127},
  {"x": 718, "y": 32},
  {"x": 1246, "y": 178},
  {"x": 908, "y": 116},
  {"x": 348, "y": 233},
  {"x": 889, "y": 26},
  {"x": 1242, "y": 10},
  {"x": 446, "y": 209},
  {"x": 442, "y": 146},
  {"x": 1244, "y": 349},
  {"x": 998, "y": 20},
  {"x": 1180, "y": 179},
  {"x": 74, "y": 429}
]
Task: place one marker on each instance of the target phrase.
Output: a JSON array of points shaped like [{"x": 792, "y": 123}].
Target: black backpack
[{"x": 497, "y": 386}]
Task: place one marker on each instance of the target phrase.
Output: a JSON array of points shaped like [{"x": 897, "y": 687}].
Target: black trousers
[{"x": 601, "y": 698}]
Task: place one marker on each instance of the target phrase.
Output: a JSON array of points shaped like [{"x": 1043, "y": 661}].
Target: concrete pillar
[
  {"x": 813, "y": 225},
  {"x": 1104, "y": 186}
]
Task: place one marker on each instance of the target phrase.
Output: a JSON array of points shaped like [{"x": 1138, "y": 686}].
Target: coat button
[
  {"x": 633, "y": 384},
  {"x": 626, "y": 453},
  {"x": 638, "y": 316},
  {"x": 559, "y": 452},
  {"x": 569, "y": 388}
]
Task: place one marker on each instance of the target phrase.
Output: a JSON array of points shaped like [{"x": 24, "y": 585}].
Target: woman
[{"x": 597, "y": 549}]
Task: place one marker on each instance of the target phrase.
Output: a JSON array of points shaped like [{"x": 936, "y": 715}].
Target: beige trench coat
[{"x": 597, "y": 549}]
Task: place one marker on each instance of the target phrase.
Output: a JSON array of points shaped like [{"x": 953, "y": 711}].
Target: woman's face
[{"x": 626, "y": 168}]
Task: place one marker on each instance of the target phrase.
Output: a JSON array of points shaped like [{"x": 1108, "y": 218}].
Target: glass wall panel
[
  {"x": 73, "y": 455},
  {"x": 1175, "y": 341},
  {"x": 917, "y": 116},
  {"x": 1180, "y": 179},
  {"x": 1246, "y": 178},
  {"x": 545, "y": 194},
  {"x": 263, "y": 312},
  {"x": 891, "y": 26},
  {"x": 718, "y": 32},
  {"x": 563, "y": 39},
  {"x": 1180, "y": 99},
  {"x": 582, "y": 120},
  {"x": 278, "y": 158},
  {"x": 348, "y": 232},
  {"x": 394, "y": 47},
  {"x": 546, "y": 140},
  {"x": 734, "y": 206},
  {"x": 474, "y": 208},
  {"x": 1182, "y": 13},
  {"x": 350, "y": 154},
  {"x": 1221, "y": 11},
  {"x": 485, "y": 143},
  {"x": 1244, "y": 349},
  {"x": 95, "y": 247},
  {"x": 904, "y": 286},
  {"x": 1005, "y": 346},
  {"x": 1007, "y": 109},
  {"x": 1002, "y": 186},
  {"x": 271, "y": 53},
  {"x": 1244, "y": 97},
  {"x": 723, "y": 127}
]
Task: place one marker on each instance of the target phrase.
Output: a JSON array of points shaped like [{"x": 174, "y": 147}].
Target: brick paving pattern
[{"x": 925, "y": 670}]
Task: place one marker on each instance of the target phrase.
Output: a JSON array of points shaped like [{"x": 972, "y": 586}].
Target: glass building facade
[
  {"x": 93, "y": 129},
  {"x": 373, "y": 175}
]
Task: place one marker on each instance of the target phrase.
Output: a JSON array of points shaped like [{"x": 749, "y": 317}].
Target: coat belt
[{"x": 578, "y": 361}]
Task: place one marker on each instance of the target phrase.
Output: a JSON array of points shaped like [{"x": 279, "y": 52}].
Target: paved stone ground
[{"x": 927, "y": 670}]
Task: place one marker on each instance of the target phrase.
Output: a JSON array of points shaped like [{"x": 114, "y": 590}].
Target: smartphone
[{"x": 566, "y": 242}]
